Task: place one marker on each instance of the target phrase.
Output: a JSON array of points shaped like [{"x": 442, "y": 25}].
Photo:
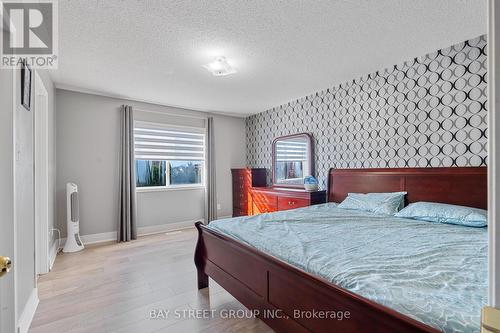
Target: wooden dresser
[
  {"x": 243, "y": 181},
  {"x": 272, "y": 199}
]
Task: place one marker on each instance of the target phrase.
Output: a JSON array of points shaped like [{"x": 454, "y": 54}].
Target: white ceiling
[{"x": 154, "y": 50}]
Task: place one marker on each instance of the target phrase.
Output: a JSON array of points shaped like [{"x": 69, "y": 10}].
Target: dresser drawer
[
  {"x": 245, "y": 206},
  {"x": 261, "y": 207},
  {"x": 285, "y": 203},
  {"x": 242, "y": 208},
  {"x": 239, "y": 211},
  {"x": 265, "y": 198},
  {"x": 242, "y": 179},
  {"x": 242, "y": 184},
  {"x": 264, "y": 203},
  {"x": 240, "y": 193}
]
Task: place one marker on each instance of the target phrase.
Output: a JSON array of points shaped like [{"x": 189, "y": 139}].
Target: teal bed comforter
[{"x": 435, "y": 273}]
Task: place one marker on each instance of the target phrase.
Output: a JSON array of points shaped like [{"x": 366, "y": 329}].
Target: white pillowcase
[
  {"x": 445, "y": 213},
  {"x": 380, "y": 203}
]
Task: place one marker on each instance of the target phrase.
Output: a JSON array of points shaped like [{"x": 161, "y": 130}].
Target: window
[
  {"x": 168, "y": 157},
  {"x": 150, "y": 173},
  {"x": 185, "y": 172}
]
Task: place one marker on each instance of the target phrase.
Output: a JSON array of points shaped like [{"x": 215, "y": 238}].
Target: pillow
[
  {"x": 381, "y": 203},
  {"x": 445, "y": 213}
]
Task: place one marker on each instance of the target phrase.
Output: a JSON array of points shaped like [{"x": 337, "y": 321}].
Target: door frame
[
  {"x": 41, "y": 158},
  {"x": 8, "y": 287},
  {"x": 493, "y": 158}
]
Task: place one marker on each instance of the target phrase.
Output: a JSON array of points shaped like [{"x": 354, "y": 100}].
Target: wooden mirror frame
[{"x": 310, "y": 157}]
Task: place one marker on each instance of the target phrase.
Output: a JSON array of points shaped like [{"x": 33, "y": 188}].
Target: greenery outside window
[
  {"x": 168, "y": 157},
  {"x": 150, "y": 173}
]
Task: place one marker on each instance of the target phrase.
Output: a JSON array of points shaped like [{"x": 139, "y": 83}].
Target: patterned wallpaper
[{"x": 426, "y": 112}]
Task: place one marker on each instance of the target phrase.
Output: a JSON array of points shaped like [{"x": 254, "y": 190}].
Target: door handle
[{"x": 5, "y": 265}]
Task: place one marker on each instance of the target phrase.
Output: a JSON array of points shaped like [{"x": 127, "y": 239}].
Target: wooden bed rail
[{"x": 200, "y": 258}]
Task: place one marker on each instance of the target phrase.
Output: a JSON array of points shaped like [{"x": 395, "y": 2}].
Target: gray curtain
[
  {"x": 211, "y": 193},
  {"x": 127, "y": 226}
]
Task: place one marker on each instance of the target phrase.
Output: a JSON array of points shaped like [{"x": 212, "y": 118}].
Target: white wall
[
  {"x": 176, "y": 206},
  {"x": 88, "y": 150},
  {"x": 230, "y": 141}
]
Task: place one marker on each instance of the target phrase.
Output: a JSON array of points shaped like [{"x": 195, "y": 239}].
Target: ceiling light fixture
[{"x": 220, "y": 67}]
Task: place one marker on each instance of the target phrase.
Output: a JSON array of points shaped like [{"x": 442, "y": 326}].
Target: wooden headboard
[{"x": 466, "y": 186}]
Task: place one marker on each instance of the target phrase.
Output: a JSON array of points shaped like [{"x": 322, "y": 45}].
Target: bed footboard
[
  {"x": 287, "y": 298},
  {"x": 199, "y": 259}
]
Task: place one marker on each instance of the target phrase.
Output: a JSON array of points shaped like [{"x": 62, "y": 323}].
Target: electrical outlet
[{"x": 218, "y": 206}]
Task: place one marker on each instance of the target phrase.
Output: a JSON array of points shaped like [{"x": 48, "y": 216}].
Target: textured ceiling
[{"x": 154, "y": 50}]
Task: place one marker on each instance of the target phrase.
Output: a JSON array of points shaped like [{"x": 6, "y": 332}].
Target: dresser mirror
[{"x": 292, "y": 160}]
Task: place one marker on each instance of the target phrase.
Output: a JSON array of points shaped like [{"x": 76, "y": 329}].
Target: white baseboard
[
  {"x": 141, "y": 231},
  {"x": 156, "y": 229},
  {"x": 28, "y": 313},
  {"x": 94, "y": 238},
  {"x": 99, "y": 238},
  {"x": 224, "y": 217}
]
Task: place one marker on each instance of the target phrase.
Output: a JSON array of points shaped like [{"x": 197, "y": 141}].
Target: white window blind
[
  {"x": 289, "y": 151},
  {"x": 156, "y": 142}
]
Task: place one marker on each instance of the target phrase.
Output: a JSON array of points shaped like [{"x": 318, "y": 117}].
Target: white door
[
  {"x": 7, "y": 249},
  {"x": 7, "y": 295}
]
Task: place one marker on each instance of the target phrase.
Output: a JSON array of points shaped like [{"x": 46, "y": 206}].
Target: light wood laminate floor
[{"x": 114, "y": 288}]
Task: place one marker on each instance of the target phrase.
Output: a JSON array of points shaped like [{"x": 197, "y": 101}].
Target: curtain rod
[{"x": 172, "y": 114}]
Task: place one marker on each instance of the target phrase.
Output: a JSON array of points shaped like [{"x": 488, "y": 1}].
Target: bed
[{"x": 389, "y": 274}]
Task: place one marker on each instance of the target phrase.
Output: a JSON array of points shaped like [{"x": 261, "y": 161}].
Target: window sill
[{"x": 170, "y": 188}]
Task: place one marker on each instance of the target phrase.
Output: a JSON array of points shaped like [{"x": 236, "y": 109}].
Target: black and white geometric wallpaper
[{"x": 427, "y": 112}]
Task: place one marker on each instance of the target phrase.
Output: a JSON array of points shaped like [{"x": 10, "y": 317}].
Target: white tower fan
[{"x": 73, "y": 241}]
